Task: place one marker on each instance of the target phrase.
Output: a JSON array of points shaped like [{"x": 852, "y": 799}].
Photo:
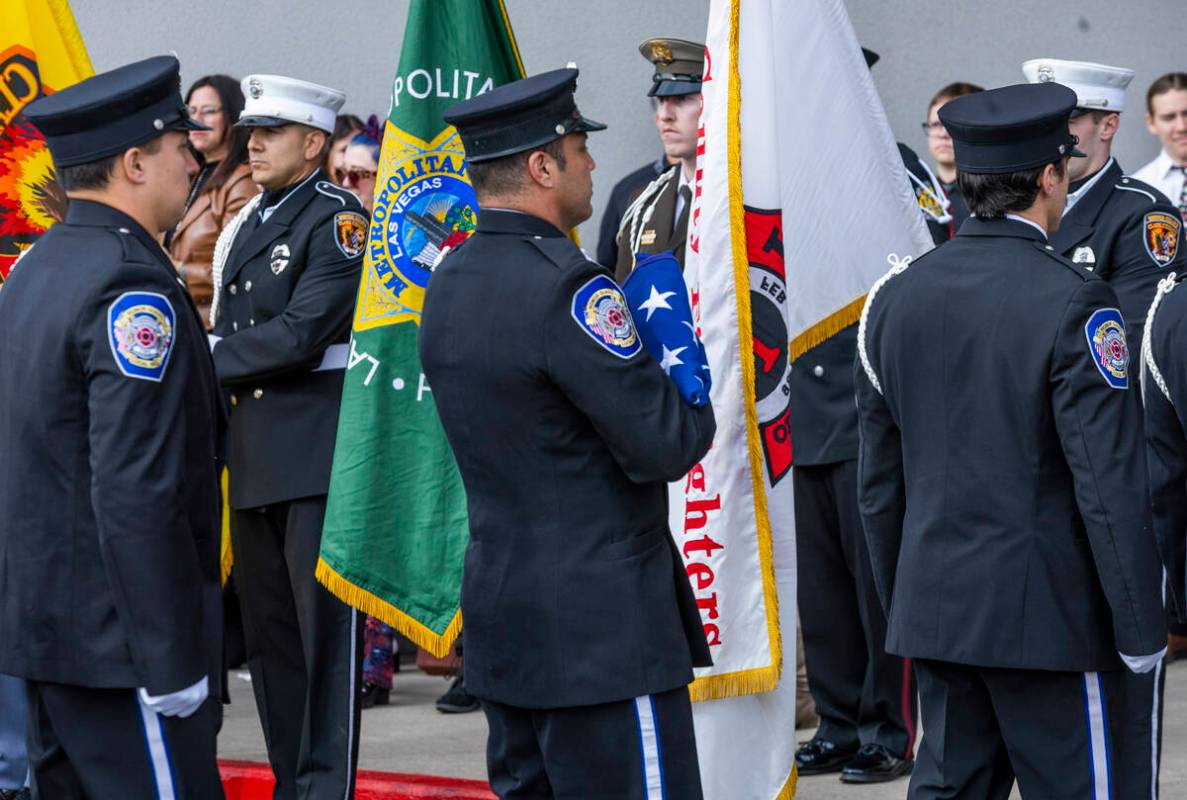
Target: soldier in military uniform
[
  {"x": 581, "y": 627},
  {"x": 1006, "y": 513},
  {"x": 657, "y": 217},
  {"x": 110, "y": 415},
  {"x": 1124, "y": 230},
  {"x": 287, "y": 269}
]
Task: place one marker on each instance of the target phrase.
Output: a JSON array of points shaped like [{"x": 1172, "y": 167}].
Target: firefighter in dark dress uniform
[
  {"x": 1001, "y": 480},
  {"x": 286, "y": 272},
  {"x": 581, "y": 626},
  {"x": 110, "y": 418}
]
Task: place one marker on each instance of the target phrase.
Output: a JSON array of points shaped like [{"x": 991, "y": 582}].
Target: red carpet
[{"x": 247, "y": 780}]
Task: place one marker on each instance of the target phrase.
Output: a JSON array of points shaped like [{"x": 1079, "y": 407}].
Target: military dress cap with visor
[
  {"x": 1011, "y": 129},
  {"x": 110, "y": 112},
  {"x": 274, "y": 100},
  {"x": 519, "y": 116},
  {"x": 1098, "y": 87},
  {"x": 679, "y": 66}
]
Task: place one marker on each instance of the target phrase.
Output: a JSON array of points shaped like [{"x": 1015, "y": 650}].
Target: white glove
[
  {"x": 1142, "y": 664},
  {"x": 178, "y": 704}
]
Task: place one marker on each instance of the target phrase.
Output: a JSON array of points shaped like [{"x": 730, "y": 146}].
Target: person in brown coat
[{"x": 222, "y": 187}]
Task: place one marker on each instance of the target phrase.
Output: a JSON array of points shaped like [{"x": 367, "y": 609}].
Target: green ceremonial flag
[{"x": 396, "y": 528}]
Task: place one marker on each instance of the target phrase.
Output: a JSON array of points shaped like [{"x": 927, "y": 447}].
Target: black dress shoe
[
  {"x": 874, "y": 763},
  {"x": 374, "y": 696},
  {"x": 818, "y": 756},
  {"x": 457, "y": 700}
]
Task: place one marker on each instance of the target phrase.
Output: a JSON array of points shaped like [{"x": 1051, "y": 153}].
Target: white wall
[{"x": 924, "y": 44}]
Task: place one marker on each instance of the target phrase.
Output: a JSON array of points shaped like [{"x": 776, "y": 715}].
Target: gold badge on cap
[{"x": 661, "y": 54}]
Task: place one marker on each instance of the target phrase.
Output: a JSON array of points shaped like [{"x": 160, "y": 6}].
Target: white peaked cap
[
  {"x": 272, "y": 100},
  {"x": 1097, "y": 86}
]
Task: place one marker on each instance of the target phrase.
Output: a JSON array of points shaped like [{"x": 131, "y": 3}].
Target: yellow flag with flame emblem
[{"x": 41, "y": 52}]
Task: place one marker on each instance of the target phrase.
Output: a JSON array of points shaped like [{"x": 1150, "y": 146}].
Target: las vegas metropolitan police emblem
[
  {"x": 600, "y": 310},
  {"x": 140, "y": 328},
  {"x": 1106, "y": 341}
]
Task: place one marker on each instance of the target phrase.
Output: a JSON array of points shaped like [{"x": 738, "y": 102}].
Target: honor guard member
[
  {"x": 581, "y": 627},
  {"x": 864, "y": 696},
  {"x": 110, "y": 603},
  {"x": 1124, "y": 230},
  {"x": 657, "y": 218},
  {"x": 287, "y": 269},
  {"x": 1006, "y": 510}
]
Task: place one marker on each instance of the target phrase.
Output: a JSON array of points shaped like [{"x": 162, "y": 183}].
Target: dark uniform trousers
[
  {"x": 1106, "y": 231},
  {"x": 863, "y": 694},
  {"x": 581, "y": 626},
  {"x": 287, "y": 298},
  {"x": 129, "y": 750}
]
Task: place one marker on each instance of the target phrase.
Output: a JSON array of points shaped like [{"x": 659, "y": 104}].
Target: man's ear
[
  {"x": 131, "y": 165},
  {"x": 1109, "y": 127},
  {"x": 542, "y": 168},
  {"x": 1150, "y": 124},
  {"x": 315, "y": 142}
]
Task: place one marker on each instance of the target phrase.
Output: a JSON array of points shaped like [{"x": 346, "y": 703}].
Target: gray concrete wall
[{"x": 924, "y": 44}]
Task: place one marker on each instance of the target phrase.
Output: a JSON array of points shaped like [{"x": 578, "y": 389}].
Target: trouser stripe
[
  {"x": 158, "y": 751},
  {"x": 653, "y": 773},
  {"x": 1098, "y": 735}
]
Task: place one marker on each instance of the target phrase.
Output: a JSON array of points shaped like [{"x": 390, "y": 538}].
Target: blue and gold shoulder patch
[
  {"x": 600, "y": 310},
  {"x": 1106, "y": 343},
  {"x": 1161, "y": 236},
  {"x": 140, "y": 328},
  {"x": 350, "y": 233}
]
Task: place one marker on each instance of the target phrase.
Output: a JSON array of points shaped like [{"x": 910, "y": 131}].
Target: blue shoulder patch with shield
[
  {"x": 600, "y": 310},
  {"x": 140, "y": 327},
  {"x": 1106, "y": 344}
]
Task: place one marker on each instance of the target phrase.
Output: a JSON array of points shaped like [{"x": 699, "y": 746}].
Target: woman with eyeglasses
[
  {"x": 360, "y": 162},
  {"x": 221, "y": 188},
  {"x": 345, "y": 127},
  {"x": 939, "y": 144}
]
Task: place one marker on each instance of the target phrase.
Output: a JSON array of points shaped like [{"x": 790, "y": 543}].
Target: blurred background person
[
  {"x": 222, "y": 187},
  {"x": 345, "y": 127},
  {"x": 939, "y": 145},
  {"x": 360, "y": 161},
  {"x": 1166, "y": 118}
]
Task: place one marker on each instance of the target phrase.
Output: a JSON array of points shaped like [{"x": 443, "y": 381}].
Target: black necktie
[{"x": 685, "y": 195}]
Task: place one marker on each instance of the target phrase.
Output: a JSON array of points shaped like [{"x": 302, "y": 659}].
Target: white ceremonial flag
[{"x": 799, "y": 197}]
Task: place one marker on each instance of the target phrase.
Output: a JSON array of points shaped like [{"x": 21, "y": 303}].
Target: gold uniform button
[{"x": 258, "y": 393}]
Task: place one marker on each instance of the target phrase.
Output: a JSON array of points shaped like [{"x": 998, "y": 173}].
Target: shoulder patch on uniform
[
  {"x": 1106, "y": 343},
  {"x": 350, "y": 233},
  {"x": 599, "y": 308},
  {"x": 140, "y": 328},
  {"x": 333, "y": 192},
  {"x": 1160, "y": 234}
]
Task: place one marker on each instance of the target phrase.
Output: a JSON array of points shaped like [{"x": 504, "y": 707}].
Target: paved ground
[{"x": 411, "y": 736}]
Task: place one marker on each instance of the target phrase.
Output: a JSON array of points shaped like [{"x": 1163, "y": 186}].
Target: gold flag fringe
[
  {"x": 439, "y": 644},
  {"x": 226, "y": 554},
  {"x": 788, "y": 790},
  {"x": 831, "y": 325}
]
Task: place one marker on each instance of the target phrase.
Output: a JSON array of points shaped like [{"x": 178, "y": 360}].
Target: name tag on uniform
[{"x": 648, "y": 237}]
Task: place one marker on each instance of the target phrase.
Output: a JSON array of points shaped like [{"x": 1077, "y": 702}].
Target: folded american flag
[{"x": 658, "y": 299}]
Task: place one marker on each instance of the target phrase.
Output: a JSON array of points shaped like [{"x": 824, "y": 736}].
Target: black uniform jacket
[
  {"x": 620, "y": 197},
  {"x": 573, "y": 592},
  {"x": 823, "y": 415},
  {"x": 109, "y": 499},
  {"x": 288, "y": 294},
  {"x": 1166, "y": 454},
  {"x": 1001, "y": 480},
  {"x": 657, "y": 221},
  {"x": 1105, "y": 232}
]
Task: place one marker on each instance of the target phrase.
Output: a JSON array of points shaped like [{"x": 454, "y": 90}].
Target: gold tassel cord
[
  {"x": 829, "y": 326},
  {"x": 439, "y": 644}
]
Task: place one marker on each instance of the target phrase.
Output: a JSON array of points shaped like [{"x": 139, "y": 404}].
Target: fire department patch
[
  {"x": 929, "y": 203},
  {"x": 140, "y": 328},
  {"x": 1106, "y": 342},
  {"x": 350, "y": 233},
  {"x": 600, "y": 310},
  {"x": 1160, "y": 234}
]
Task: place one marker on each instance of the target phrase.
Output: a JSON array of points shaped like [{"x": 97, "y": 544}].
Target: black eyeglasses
[{"x": 934, "y": 128}]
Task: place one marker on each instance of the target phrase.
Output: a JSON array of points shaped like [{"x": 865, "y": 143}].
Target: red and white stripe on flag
[{"x": 799, "y": 196}]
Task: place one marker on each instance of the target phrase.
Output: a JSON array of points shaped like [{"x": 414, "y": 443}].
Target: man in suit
[
  {"x": 110, "y": 416},
  {"x": 287, "y": 269},
  {"x": 657, "y": 217},
  {"x": 1001, "y": 487},
  {"x": 1124, "y": 230},
  {"x": 581, "y": 626}
]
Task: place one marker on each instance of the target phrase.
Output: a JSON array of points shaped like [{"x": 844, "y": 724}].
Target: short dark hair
[
  {"x": 994, "y": 196},
  {"x": 953, "y": 91},
  {"x": 506, "y": 175},
  {"x": 1168, "y": 82},
  {"x": 96, "y": 174}
]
